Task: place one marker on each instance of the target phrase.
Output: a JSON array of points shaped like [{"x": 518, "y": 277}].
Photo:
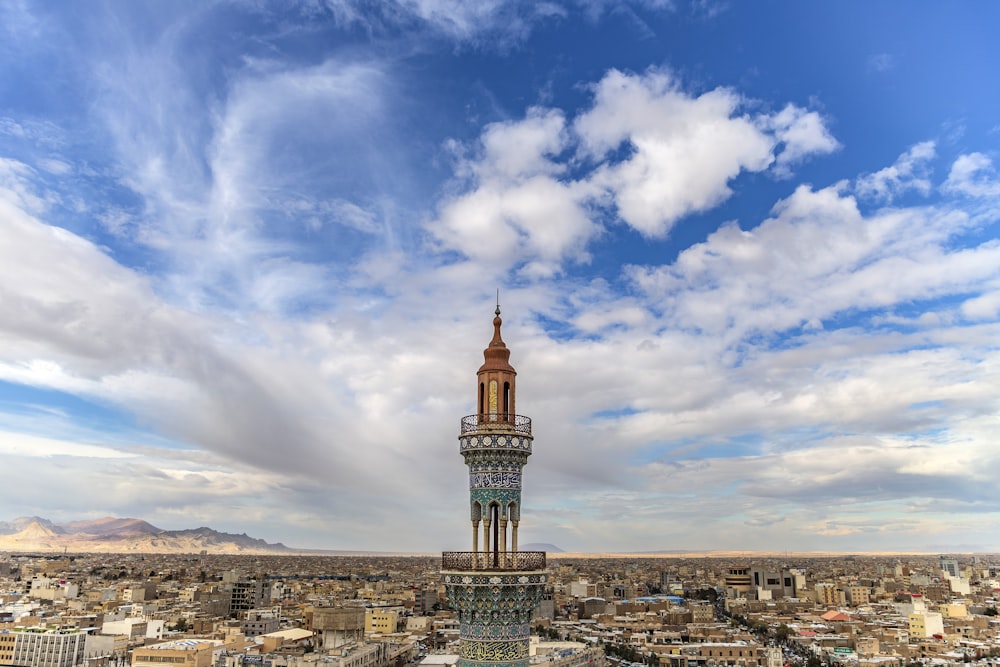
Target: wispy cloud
[
  {"x": 910, "y": 172},
  {"x": 881, "y": 62}
]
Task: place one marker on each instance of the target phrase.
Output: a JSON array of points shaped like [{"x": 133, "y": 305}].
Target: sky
[{"x": 747, "y": 256}]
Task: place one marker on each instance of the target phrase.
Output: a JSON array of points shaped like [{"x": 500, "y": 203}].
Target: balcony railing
[
  {"x": 479, "y": 561},
  {"x": 498, "y": 421}
]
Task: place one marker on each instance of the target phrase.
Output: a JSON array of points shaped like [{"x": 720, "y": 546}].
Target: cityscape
[
  {"x": 349, "y": 611},
  {"x": 733, "y": 270}
]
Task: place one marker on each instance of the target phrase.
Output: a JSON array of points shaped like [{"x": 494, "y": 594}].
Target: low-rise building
[{"x": 179, "y": 653}]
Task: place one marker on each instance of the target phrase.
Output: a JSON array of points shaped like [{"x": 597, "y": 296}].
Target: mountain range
[{"x": 115, "y": 535}]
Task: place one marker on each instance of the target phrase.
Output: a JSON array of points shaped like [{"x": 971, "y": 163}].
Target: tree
[{"x": 990, "y": 611}]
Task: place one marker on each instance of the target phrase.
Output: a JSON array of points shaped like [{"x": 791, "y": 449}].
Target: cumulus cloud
[
  {"x": 801, "y": 134},
  {"x": 973, "y": 175},
  {"x": 645, "y": 152},
  {"x": 517, "y": 209},
  {"x": 683, "y": 149}
]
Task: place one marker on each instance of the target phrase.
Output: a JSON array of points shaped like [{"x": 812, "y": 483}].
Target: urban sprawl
[{"x": 305, "y": 611}]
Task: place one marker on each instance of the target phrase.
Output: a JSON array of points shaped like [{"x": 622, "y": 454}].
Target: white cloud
[
  {"x": 517, "y": 210},
  {"x": 24, "y": 445},
  {"x": 469, "y": 21},
  {"x": 985, "y": 307},
  {"x": 801, "y": 134},
  {"x": 683, "y": 149},
  {"x": 17, "y": 187},
  {"x": 816, "y": 257},
  {"x": 513, "y": 151},
  {"x": 645, "y": 149},
  {"x": 973, "y": 175},
  {"x": 911, "y": 171}
]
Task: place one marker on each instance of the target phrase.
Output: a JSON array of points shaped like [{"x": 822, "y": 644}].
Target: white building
[{"x": 41, "y": 647}]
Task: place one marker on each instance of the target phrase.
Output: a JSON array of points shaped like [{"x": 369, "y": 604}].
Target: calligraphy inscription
[
  {"x": 494, "y": 651},
  {"x": 495, "y": 480}
]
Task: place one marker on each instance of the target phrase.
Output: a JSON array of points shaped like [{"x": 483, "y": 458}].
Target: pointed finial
[{"x": 498, "y": 302}]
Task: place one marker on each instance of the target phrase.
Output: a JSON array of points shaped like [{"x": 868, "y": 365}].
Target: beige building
[
  {"x": 926, "y": 624},
  {"x": 383, "y": 621},
  {"x": 702, "y": 612},
  {"x": 733, "y": 654},
  {"x": 858, "y": 596},
  {"x": 954, "y": 610},
  {"x": 866, "y": 646},
  {"x": 182, "y": 653},
  {"x": 336, "y": 626},
  {"x": 134, "y": 628},
  {"x": 583, "y": 589},
  {"x": 290, "y": 637},
  {"x": 829, "y": 595},
  {"x": 564, "y": 654}
]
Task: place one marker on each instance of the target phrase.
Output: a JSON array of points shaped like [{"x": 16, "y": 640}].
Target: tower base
[{"x": 494, "y": 612}]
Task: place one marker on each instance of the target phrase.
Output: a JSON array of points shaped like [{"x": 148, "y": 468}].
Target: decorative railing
[
  {"x": 480, "y": 561},
  {"x": 498, "y": 421}
]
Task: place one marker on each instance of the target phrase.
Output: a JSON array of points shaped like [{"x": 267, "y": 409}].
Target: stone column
[{"x": 503, "y": 540}]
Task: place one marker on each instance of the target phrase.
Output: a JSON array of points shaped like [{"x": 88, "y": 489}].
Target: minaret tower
[{"x": 495, "y": 588}]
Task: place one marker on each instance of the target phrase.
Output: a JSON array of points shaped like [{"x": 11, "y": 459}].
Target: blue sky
[{"x": 747, "y": 255}]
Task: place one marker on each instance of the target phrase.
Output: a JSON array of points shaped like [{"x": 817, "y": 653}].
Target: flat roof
[
  {"x": 183, "y": 644},
  {"x": 293, "y": 634},
  {"x": 440, "y": 659}
]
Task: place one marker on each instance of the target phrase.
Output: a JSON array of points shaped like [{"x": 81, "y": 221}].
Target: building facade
[
  {"x": 43, "y": 647},
  {"x": 182, "y": 653},
  {"x": 494, "y": 588}
]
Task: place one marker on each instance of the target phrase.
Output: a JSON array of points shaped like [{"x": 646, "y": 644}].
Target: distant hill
[
  {"x": 114, "y": 535},
  {"x": 540, "y": 546},
  {"x": 20, "y": 523},
  {"x": 112, "y": 527}
]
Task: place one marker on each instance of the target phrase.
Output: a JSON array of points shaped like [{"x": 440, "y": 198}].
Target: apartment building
[
  {"x": 42, "y": 647},
  {"x": 258, "y": 622}
]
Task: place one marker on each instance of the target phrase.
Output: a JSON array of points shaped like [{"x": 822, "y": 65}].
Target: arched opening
[
  {"x": 506, "y": 400},
  {"x": 477, "y": 515},
  {"x": 495, "y": 518},
  {"x": 482, "y": 398}
]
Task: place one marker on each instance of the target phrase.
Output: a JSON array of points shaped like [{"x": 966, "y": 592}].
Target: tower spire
[
  {"x": 495, "y": 588},
  {"x": 497, "y": 378}
]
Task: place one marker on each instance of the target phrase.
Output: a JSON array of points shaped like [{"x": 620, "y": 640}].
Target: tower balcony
[
  {"x": 496, "y": 422},
  {"x": 492, "y": 561}
]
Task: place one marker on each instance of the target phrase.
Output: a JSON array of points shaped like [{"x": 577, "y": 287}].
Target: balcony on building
[
  {"x": 492, "y": 561},
  {"x": 496, "y": 421}
]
